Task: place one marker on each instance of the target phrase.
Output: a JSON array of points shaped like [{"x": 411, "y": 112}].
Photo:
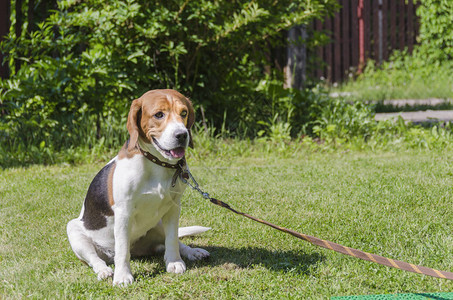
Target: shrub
[
  {"x": 404, "y": 76},
  {"x": 89, "y": 59},
  {"x": 436, "y": 29}
]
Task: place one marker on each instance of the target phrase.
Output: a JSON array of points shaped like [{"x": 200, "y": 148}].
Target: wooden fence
[{"x": 362, "y": 30}]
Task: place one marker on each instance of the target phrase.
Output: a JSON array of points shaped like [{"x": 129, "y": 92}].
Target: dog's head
[{"x": 164, "y": 119}]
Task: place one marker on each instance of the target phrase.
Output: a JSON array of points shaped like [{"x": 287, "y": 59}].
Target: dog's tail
[{"x": 191, "y": 230}]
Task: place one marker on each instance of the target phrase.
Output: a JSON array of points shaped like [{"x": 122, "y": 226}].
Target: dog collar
[{"x": 179, "y": 166}]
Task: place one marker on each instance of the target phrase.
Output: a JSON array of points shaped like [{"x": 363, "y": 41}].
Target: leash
[{"x": 186, "y": 176}]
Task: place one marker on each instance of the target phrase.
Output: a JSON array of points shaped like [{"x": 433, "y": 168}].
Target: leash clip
[{"x": 194, "y": 185}]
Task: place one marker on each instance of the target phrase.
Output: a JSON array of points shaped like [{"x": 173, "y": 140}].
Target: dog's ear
[
  {"x": 132, "y": 123},
  {"x": 190, "y": 121}
]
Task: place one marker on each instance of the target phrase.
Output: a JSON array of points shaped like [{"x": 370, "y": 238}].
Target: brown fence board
[
  {"x": 385, "y": 24},
  {"x": 346, "y": 36},
  {"x": 410, "y": 26},
  {"x": 367, "y": 26},
  {"x": 393, "y": 21},
  {"x": 375, "y": 28},
  {"x": 337, "y": 63},
  {"x": 401, "y": 25},
  {"x": 354, "y": 34}
]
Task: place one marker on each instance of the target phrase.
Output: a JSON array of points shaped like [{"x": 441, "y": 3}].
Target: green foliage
[
  {"x": 81, "y": 142},
  {"x": 312, "y": 112},
  {"x": 340, "y": 121},
  {"x": 329, "y": 124},
  {"x": 436, "y": 29},
  {"x": 81, "y": 67},
  {"x": 404, "y": 76},
  {"x": 89, "y": 59}
]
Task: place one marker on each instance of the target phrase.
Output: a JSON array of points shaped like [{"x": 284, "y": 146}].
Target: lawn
[
  {"x": 410, "y": 79},
  {"x": 395, "y": 204}
]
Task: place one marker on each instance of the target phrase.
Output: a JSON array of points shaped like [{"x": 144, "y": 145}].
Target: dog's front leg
[
  {"x": 172, "y": 256},
  {"x": 122, "y": 275}
]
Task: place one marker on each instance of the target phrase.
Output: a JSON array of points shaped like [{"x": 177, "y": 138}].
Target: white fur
[
  {"x": 167, "y": 139},
  {"x": 191, "y": 230},
  {"x": 146, "y": 215}
]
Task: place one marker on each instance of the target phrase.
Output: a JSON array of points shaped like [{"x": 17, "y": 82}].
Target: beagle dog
[{"x": 132, "y": 206}]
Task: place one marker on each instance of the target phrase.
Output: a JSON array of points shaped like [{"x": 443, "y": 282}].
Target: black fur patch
[{"x": 97, "y": 205}]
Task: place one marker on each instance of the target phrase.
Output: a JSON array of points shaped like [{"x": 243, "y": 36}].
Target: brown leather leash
[{"x": 186, "y": 176}]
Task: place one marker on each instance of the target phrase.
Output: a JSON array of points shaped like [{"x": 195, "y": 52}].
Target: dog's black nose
[{"x": 181, "y": 136}]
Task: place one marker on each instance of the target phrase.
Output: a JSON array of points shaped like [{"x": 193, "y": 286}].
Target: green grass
[
  {"x": 404, "y": 78},
  {"x": 395, "y": 204}
]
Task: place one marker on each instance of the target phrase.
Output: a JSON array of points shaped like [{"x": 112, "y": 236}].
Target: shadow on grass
[
  {"x": 242, "y": 258},
  {"x": 276, "y": 260}
]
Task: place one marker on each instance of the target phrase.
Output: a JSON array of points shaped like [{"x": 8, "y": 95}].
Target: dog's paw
[
  {"x": 122, "y": 279},
  {"x": 105, "y": 273},
  {"x": 177, "y": 267},
  {"x": 196, "y": 253}
]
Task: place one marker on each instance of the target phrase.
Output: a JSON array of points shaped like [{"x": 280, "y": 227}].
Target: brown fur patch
[
  {"x": 110, "y": 185},
  {"x": 126, "y": 153}
]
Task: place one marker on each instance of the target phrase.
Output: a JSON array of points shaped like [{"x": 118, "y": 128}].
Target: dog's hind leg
[
  {"x": 85, "y": 250},
  {"x": 192, "y": 253},
  {"x": 150, "y": 244},
  {"x": 153, "y": 243},
  {"x": 189, "y": 252}
]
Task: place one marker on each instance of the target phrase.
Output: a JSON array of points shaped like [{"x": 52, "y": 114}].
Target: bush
[
  {"x": 89, "y": 59},
  {"x": 404, "y": 76},
  {"x": 436, "y": 29}
]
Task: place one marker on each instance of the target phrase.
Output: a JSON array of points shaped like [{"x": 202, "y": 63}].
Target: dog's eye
[
  {"x": 184, "y": 113},
  {"x": 159, "y": 115}
]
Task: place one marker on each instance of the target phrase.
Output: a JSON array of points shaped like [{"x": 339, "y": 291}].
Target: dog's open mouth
[{"x": 175, "y": 153}]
